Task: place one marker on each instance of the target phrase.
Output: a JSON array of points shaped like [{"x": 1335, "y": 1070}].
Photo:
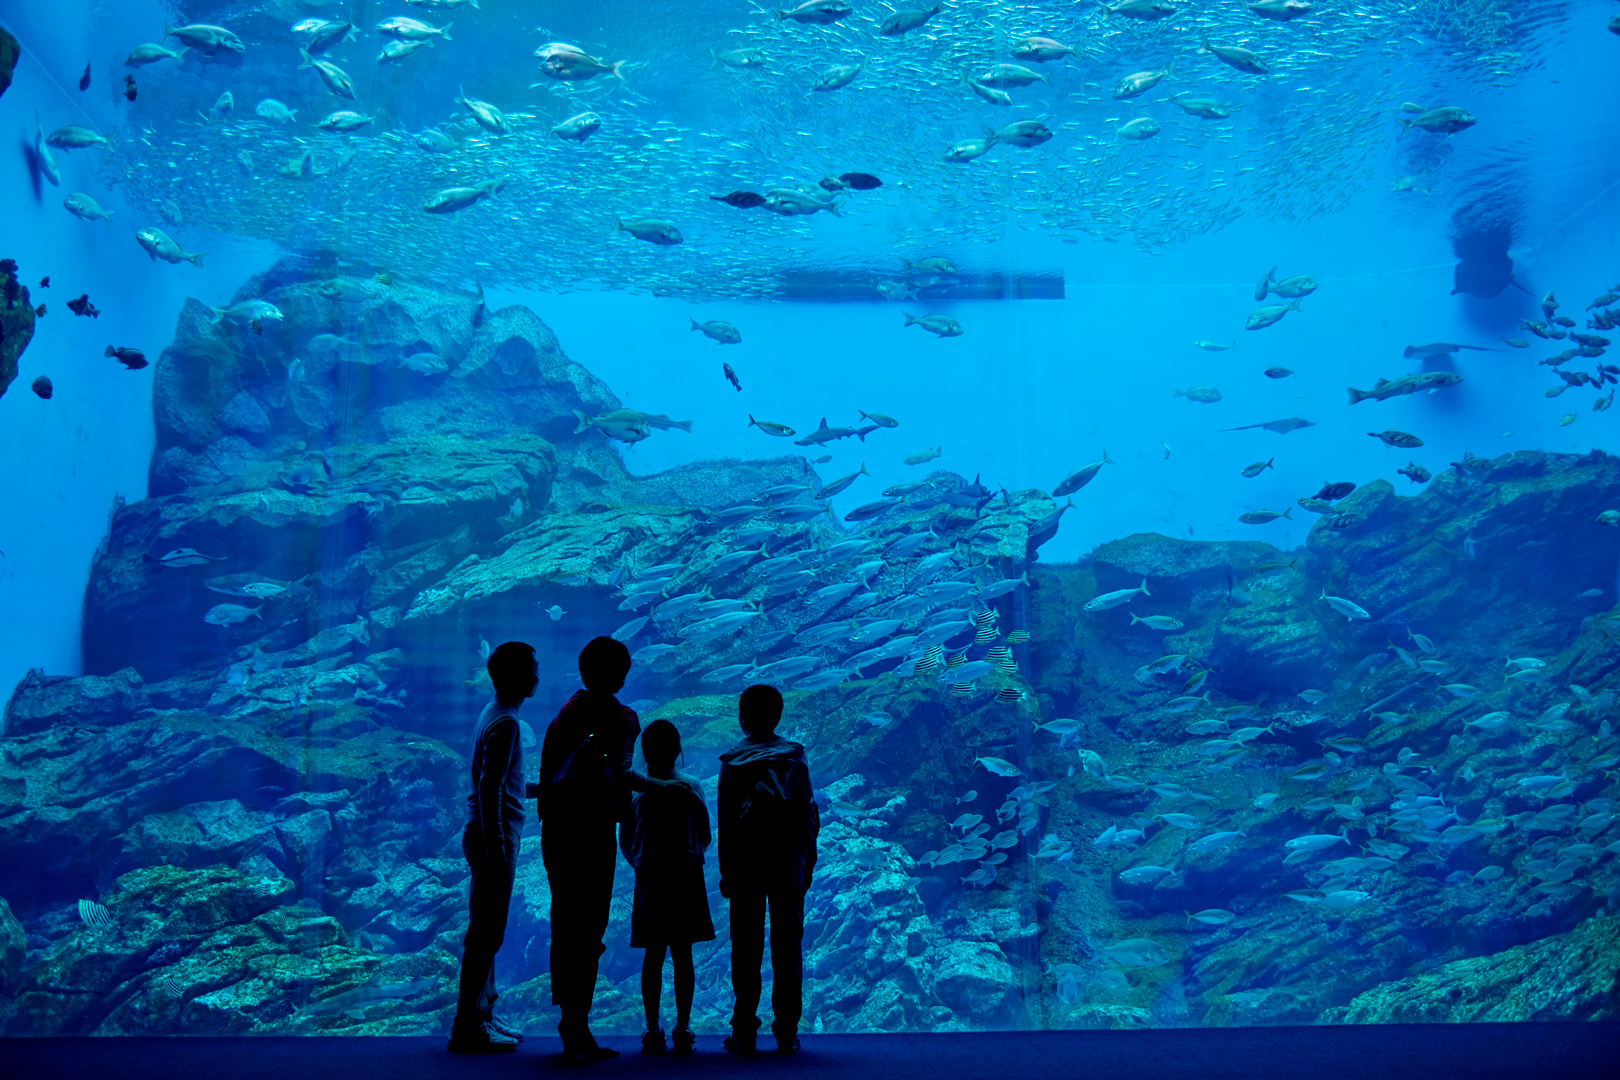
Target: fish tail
[
  {"x": 1108, "y": 459},
  {"x": 751, "y": 421},
  {"x": 444, "y": 32},
  {"x": 307, "y": 62},
  {"x": 695, "y": 325},
  {"x": 714, "y": 60},
  {"x": 1206, "y": 42},
  {"x": 909, "y": 317},
  {"x": 1357, "y": 395},
  {"x": 583, "y": 421},
  {"x": 990, "y": 133},
  {"x": 1406, "y": 125},
  {"x": 619, "y": 225},
  {"x": 684, "y": 425},
  {"x": 1289, "y": 513},
  {"x": 832, "y": 208},
  {"x": 614, "y": 69},
  {"x": 863, "y": 464},
  {"x": 110, "y": 351},
  {"x": 1144, "y": 585},
  {"x": 1134, "y": 619},
  {"x": 196, "y": 258}
]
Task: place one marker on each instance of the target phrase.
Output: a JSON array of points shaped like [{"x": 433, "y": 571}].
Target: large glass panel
[{"x": 975, "y": 374}]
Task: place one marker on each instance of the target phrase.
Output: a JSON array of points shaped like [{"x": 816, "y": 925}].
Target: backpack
[
  {"x": 586, "y": 767},
  {"x": 776, "y": 811}
]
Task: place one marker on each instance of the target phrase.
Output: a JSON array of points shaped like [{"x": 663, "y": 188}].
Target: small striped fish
[
  {"x": 956, "y": 661},
  {"x": 984, "y": 623},
  {"x": 932, "y": 660},
  {"x": 1001, "y": 656},
  {"x": 1017, "y": 637},
  {"x": 962, "y": 689},
  {"x": 1011, "y": 693},
  {"x": 93, "y": 914}
]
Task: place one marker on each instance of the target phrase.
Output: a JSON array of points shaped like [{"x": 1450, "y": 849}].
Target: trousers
[
  {"x": 580, "y": 856},
  {"x": 777, "y": 885},
  {"x": 489, "y": 898}
]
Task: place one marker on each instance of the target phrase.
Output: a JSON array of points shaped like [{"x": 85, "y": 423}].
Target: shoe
[
  {"x": 501, "y": 1026},
  {"x": 482, "y": 1039},
  {"x": 742, "y": 1037},
  {"x": 787, "y": 1044},
  {"x": 685, "y": 1042},
  {"x": 652, "y": 1041},
  {"x": 583, "y": 1044}
]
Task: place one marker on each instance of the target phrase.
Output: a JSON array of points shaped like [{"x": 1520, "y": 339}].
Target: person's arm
[
  {"x": 727, "y": 824},
  {"x": 500, "y": 746},
  {"x": 619, "y": 762}
]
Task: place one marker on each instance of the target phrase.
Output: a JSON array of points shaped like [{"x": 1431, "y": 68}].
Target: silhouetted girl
[{"x": 665, "y": 840}]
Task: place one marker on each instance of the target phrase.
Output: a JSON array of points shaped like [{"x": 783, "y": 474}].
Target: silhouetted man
[
  {"x": 584, "y": 791},
  {"x": 768, "y": 829},
  {"x": 490, "y": 842}
]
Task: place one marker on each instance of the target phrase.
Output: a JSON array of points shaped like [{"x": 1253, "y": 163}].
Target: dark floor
[{"x": 1437, "y": 1052}]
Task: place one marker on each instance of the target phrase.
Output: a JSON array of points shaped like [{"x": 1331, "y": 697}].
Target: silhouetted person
[
  {"x": 664, "y": 841},
  {"x": 490, "y": 842},
  {"x": 768, "y": 829},
  {"x": 584, "y": 791}
]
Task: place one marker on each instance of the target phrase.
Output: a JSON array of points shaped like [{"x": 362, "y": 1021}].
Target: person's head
[
  {"x": 603, "y": 664},
  {"x": 660, "y": 745},
  {"x": 759, "y": 709},
  {"x": 513, "y": 670}
]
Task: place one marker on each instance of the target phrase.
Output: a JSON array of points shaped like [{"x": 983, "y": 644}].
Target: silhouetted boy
[
  {"x": 664, "y": 841},
  {"x": 768, "y": 829},
  {"x": 584, "y": 791},
  {"x": 490, "y": 843}
]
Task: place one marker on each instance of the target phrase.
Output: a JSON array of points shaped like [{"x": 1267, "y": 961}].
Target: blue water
[{"x": 1140, "y": 249}]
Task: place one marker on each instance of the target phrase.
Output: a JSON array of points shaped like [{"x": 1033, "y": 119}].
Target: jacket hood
[{"x": 749, "y": 751}]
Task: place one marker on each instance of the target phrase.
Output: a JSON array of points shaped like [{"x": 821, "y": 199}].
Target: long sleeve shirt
[{"x": 495, "y": 804}]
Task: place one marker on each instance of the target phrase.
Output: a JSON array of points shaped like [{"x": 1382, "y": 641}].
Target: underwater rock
[
  {"x": 273, "y": 520},
  {"x": 41, "y": 701},
  {"x": 10, "y": 49},
  {"x": 215, "y": 951},
  {"x": 1504, "y": 539},
  {"x": 13, "y": 946},
  {"x": 1569, "y": 976},
  {"x": 976, "y": 982},
  {"x": 16, "y": 309},
  {"x": 193, "y": 788},
  {"x": 508, "y": 375}
]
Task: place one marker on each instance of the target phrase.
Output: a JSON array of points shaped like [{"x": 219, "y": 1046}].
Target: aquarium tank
[{"x": 1163, "y": 452}]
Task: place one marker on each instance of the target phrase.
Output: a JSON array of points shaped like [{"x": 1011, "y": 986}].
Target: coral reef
[{"x": 16, "y": 309}]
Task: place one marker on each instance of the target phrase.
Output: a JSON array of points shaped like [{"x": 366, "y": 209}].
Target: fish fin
[
  {"x": 1406, "y": 125},
  {"x": 308, "y": 61},
  {"x": 1357, "y": 395},
  {"x": 1289, "y": 513},
  {"x": 444, "y": 32},
  {"x": 909, "y": 317},
  {"x": 614, "y": 69},
  {"x": 1144, "y": 585},
  {"x": 196, "y": 258},
  {"x": 585, "y": 421},
  {"x": 695, "y": 325}
]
